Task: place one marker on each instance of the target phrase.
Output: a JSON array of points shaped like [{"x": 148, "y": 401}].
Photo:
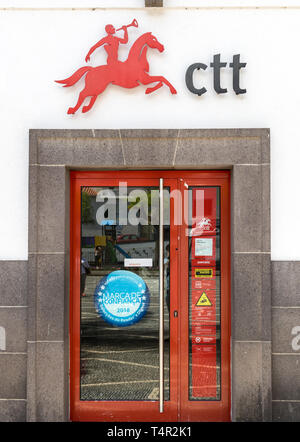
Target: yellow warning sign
[
  {"x": 203, "y": 273},
  {"x": 203, "y": 301}
]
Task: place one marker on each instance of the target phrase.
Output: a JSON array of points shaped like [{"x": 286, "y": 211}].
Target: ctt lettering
[{"x": 216, "y": 65}]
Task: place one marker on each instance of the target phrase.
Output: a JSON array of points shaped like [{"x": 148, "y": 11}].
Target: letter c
[{"x": 189, "y": 78}]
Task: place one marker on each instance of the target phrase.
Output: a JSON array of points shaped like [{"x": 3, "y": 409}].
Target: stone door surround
[{"x": 53, "y": 153}]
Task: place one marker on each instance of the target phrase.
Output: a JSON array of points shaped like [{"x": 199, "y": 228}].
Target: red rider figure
[{"x": 111, "y": 44}]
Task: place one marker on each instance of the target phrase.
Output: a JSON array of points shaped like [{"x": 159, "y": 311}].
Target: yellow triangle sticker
[{"x": 203, "y": 301}]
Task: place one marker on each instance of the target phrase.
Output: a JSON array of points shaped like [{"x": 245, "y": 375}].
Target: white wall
[{"x": 39, "y": 46}]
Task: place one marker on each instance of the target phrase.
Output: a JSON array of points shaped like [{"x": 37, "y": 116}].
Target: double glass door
[{"x": 149, "y": 301}]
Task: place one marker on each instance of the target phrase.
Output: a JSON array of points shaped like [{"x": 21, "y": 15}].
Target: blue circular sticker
[{"x": 122, "y": 298}]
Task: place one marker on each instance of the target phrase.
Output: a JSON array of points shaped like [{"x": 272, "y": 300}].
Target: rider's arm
[
  {"x": 125, "y": 38},
  {"x": 100, "y": 43}
]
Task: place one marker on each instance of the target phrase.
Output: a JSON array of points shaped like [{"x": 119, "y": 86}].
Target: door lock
[{"x": 175, "y": 313}]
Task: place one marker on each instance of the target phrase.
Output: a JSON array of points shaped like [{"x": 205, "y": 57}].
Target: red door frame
[
  {"x": 179, "y": 407},
  {"x": 207, "y": 410}
]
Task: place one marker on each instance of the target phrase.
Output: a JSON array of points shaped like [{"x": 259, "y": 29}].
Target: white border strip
[{"x": 140, "y": 4}]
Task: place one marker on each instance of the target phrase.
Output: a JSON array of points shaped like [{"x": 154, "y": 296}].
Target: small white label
[
  {"x": 2, "y": 339},
  {"x": 203, "y": 247},
  {"x": 138, "y": 262}
]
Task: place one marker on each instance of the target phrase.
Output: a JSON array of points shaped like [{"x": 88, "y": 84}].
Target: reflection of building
[{"x": 140, "y": 240}]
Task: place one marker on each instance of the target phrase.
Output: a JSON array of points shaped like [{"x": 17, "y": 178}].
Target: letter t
[
  {"x": 217, "y": 65},
  {"x": 236, "y": 65}
]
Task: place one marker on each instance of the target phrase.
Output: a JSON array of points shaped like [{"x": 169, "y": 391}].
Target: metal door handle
[{"x": 175, "y": 313}]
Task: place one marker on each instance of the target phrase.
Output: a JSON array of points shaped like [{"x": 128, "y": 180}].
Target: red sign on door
[
  {"x": 204, "y": 371},
  {"x": 204, "y": 212},
  {"x": 203, "y": 283},
  {"x": 203, "y": 339},
  {"x": 203, "y": 310}
]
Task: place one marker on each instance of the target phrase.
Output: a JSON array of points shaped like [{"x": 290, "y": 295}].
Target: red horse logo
[{"x": 127, "y": 74}]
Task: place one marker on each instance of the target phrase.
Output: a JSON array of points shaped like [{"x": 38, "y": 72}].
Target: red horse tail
[{"x": 75, "y": 77}]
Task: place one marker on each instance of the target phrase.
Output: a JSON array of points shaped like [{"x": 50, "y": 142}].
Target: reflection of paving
[{"x": 121, "y": 363}]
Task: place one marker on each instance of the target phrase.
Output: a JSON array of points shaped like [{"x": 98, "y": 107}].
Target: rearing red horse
[{"x": 127, "y": 74}]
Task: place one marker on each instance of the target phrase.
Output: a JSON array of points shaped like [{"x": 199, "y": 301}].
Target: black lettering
[
  {"x": 236, "y": 66},
  {"x": 189, "y": 78},
  {"x": 217, "y": 65}
]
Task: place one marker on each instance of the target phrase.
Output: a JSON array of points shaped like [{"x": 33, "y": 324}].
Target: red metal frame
[
  {"x": 207, "y": 410},
  {"x": 179, "y": 408}
]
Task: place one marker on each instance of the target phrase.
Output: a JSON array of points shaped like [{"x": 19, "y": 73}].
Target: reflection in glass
[
  {"x": 204, "y": 294},
  {"x": 118, "y": 233}
]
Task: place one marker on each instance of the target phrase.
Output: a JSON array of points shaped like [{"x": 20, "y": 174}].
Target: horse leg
[
  {"x": 90, "y": 105},
  {"x": 81, "y": 98},
  {"x": 93, "y": 93},
  {"x": 154, "y": 88},
  {"x": 146, "y": 79}
]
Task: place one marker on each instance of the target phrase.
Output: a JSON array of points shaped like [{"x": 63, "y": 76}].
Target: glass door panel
[
  {"x": 205, "y": 283},
  {"x": 122, "y": 365},
  {"x": 204, "y": 293}
]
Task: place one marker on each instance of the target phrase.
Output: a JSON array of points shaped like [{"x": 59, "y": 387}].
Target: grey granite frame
[{"x": 53, "y": 153}]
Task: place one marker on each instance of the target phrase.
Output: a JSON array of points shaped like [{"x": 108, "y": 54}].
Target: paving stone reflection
[{"x": 121, "y": 363}]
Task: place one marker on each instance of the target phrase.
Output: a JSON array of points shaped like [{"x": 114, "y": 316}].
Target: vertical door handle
[{"x": 161, "y": 295}]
